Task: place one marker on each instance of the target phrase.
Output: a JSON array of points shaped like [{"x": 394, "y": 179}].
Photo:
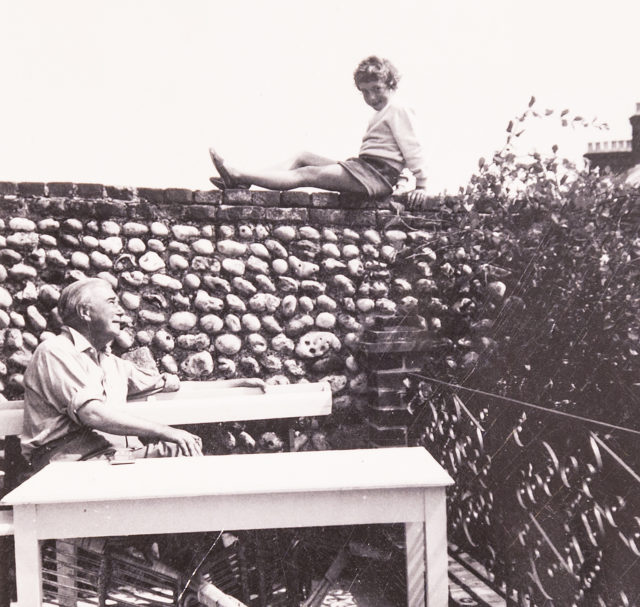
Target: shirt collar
[{"x": 81, "y": 342}]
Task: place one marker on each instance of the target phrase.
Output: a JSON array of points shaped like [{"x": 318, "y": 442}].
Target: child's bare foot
[
  {"x": 229, "y": 176},
  {"x": 218, "y": 183}
]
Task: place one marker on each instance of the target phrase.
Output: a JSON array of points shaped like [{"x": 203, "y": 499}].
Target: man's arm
[{"x": 116, "y": 420}]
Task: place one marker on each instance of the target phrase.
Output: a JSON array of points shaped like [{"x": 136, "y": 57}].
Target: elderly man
[{"x": 73, "y": 382}]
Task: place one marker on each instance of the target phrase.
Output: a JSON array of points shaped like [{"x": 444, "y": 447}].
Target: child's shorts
[{"x": 375, "y": 175}]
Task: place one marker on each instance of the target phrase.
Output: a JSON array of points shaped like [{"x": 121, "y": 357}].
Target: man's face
[{"x": 105, "y": 314}]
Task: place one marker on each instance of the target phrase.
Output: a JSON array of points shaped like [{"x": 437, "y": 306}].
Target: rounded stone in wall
[
  {"x": 265, "y": 283},
  {"x": 49, "y": 295},
  {"x": 90, "y": 242},
  {"x": 151, "y": 262},
  {"x": 226, "y": 367},
  {"x": 185, "y": 233},
  {"x": 275, "y": 248},
  {"x": 153, "y": 317},
  {"x": 251, "y": 323},
  {"x": 197, "y": 365},
  {"x": 231, "y": 248},
  {"x": 243, "y": 286},
  {"x": 325, "y": 320},
  {"x": 169, "y": 364},
  {"x": 245, "y": 231},
  {"x": 281, "y": 343},
  {"x": 80, "y": 260},
  {"x": 5, "y": 298},
  {"x": 136, "y": 246},
  {"x": 110, "y": 228},
  {"x": 199, "y": 342},
  {"x": 316, "y": 343},
  {"x": 178, "y": 262},
  {"x": 206, "y": 303},
  {"x": 280, "y": 266},
  {"x": 324, "y": 302},
  {"x": 285, "y": 233},
  {"x": 373, "y": 236},
  {"x": 156, "y": 245},
  {"x": 271, "y": 325},
  {"x": 111, "y": 245},
  {"x": 36, "y": 319},
  {"x": 159, "y": 229},
  {"x": 22, "y": 271},
  {"x": 202, "y": 246},
  {"x": 257, "y": 343},
  {"x": 233, "y": 323},
  {"x": 249, "y": 366},
  {"x": 211, "y": 323},
  {"x": 132, "y": 228},
  {"x": 183, "y": 321},
  {"x": 191, "y": 281},
  {"x": 349, "y": 251},
  {"x": 125, "y": 339},
  {"x": 179, "y": 247},
  {"x": 22, "y": 240},
  {"x": 166, "y": 282},
  {"x": 21, "y": 224},
  {"x": 259, "y": 250},
  {"x": 233, "y": 266},
  {"x": 228, "y": 344},
  {"x": 255, "y": 264},
  {"x": 100, "y": 261},
  {"x": 288, "y": 306},
  {"x": 164, "y": 341},
  {"x": 129, "y": 300}
]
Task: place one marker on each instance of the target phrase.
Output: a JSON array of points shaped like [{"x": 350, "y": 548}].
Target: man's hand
[
  {"x": 252, "y": 382},
  {"x": 171, "y": 382},
  {"x": 417, "y": 199},
  {"x": 189, "y": 444}
]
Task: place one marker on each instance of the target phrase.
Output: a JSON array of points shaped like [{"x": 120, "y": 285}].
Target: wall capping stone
[{"x": 259, "y": 198}]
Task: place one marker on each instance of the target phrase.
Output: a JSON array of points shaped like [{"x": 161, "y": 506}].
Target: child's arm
[{"x": 402, "y": 123}]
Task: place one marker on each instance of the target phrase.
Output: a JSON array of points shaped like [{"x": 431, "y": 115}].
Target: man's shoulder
[{"x": 57, "y": 344}]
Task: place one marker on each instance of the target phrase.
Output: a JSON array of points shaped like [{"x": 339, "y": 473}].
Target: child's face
[{"x": 376, "y": 94}]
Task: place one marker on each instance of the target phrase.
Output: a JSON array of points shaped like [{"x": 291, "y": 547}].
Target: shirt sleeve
[
  {"x": 142, "y": 382},
  {"x": 64, "y": 382},
  {"x": 403, "y": 126}
]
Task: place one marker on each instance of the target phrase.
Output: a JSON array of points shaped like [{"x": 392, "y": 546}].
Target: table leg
[
  {"x": 426, "y": 546},
  {"x": 28, "y": 560}
]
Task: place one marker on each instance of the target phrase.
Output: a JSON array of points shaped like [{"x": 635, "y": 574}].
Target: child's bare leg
[
  {"x": 326, "y": 177},
  {"x": 306, "y": 159}
]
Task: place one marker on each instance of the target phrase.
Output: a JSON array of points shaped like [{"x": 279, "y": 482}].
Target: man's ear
[{"x": 83, "y": 312}]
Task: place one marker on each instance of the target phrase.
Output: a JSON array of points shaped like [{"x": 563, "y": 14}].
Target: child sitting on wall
[{"x": 389, "y": 145}]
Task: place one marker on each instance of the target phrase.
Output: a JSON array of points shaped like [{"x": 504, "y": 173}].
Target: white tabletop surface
[{"x": 73, "y": 482}]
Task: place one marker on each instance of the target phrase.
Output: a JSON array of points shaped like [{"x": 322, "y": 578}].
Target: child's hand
[{"x": 417, "y": 199}]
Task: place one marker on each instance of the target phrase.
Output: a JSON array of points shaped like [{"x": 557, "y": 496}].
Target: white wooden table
[{"x": 233, "y": 492}]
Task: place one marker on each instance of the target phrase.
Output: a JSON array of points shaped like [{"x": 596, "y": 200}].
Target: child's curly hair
[{"x": 377, "y": 69}]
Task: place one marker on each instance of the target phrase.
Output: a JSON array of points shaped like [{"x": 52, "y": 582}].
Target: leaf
[
  {"x": 532, "y": 100},
  {"x": 510, "y": 126},
  {"x": 564, "y": 112},
  {"x": 554, "y": 148}
]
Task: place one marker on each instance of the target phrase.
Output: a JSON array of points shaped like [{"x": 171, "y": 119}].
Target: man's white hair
[{"x": 77, "y": 293}]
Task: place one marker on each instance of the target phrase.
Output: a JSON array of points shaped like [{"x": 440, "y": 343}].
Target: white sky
[{"x": 132, "y": 92}]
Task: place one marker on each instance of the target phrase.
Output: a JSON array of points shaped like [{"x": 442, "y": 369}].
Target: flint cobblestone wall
[{"x": 217, "y": 285}]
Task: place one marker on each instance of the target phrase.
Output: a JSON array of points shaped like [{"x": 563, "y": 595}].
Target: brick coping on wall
[{"x": 105, "y": 201}]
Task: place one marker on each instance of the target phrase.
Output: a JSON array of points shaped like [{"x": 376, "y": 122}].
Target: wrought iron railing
[{"x": 549, "y": 505}]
